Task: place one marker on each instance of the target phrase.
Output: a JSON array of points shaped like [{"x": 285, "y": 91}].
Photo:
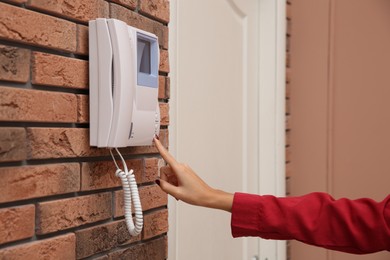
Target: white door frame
[{"x": 271, "y": 111}]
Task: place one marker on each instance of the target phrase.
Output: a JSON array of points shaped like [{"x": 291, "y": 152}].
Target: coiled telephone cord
[{"x": 131, "y": 195}]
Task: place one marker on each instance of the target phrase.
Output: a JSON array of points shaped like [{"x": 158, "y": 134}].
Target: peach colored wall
[{"x": 340, "y": 103}]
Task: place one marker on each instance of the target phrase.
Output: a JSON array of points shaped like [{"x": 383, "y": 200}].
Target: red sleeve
[{"x": 355, "y": 226}]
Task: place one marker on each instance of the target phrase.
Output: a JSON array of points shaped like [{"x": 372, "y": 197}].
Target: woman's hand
[{"x": 189, "y": 187}]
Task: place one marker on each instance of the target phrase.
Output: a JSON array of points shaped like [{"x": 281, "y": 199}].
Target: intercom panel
[{"x": 123, "y": 63}]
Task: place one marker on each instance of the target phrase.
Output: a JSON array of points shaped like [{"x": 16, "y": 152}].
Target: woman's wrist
[{"x": 220, "y": 200}]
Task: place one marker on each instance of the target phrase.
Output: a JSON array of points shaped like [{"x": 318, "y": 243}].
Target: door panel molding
[{"x": 260, "y": 101}]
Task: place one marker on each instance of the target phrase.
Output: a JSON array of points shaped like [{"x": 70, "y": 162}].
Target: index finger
[{"x": 165, "y": 154}]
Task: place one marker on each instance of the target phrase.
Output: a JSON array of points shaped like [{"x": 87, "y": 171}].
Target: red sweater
[{"x": 355, "y": 226}]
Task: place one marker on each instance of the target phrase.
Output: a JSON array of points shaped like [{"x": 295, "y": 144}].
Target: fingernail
[
  {"x": 158, "y": 182},
  {"x": 157, "y": 137}
]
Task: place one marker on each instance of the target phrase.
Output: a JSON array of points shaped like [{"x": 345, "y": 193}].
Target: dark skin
[{"x": 189, "y": 187}]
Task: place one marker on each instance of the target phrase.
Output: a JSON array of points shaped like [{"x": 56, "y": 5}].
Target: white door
[{"x": 227, "y": 116}]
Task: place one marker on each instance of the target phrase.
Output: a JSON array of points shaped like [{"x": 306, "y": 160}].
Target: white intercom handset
[
  {"x": 124, "y": 109},
  {"x": 124, "y": 62}
]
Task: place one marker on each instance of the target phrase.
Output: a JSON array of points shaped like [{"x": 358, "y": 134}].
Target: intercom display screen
[
  {"x": 147, "y": 61},
  {"x": 143, "y": 52}
]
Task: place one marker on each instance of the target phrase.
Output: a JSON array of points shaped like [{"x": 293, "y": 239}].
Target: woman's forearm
[{"x": 220, "y": 200}]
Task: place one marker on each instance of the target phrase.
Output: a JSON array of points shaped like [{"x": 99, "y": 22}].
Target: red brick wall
[{"x": 59, "y": 197}]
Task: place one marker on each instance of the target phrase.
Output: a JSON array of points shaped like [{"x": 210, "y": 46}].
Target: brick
[
  {"x": 168, "y": 87},
  {"x": 82, "y": 39},
  {"x": 73, "y": 212},
  {"x": 22, "y": 25},
  {"x": 158, "y": 9},
  {"x": 59, "y": 247},
  {"x": 155, "y": 224},
  {"x": 164, "y": 114},
  {"x": 60, "y": 143},
  {"x": 132, "y": 4},
  {"x": 165, "y": 37},
  {"x": 12, "y": 144},
  {"x": 82, "y": 109},
  {"x": 74, "y": 142},
  {"x": 119, "y": 210},
  {"x": 154, "y": 249},
  {"x": 164, "y": 137},
  {"x": 164, "y": 61},
  {"x": 101, "y": 175},
  {"x": 35, "y": 181},
  {"x": 16, "y": 223},
  {"x": 37, "y": 106},
  {"x": 101, "y": 238},
  {"x": 166, "y": 246},
  {"x": 151, "y": 197},
  {"x": 79, "y": 10},
  {"x": 162, "y": 87},
  {"x": 14, "y": 64},
  {"x": 54, "y": 70},
  {"x": 139, "y": 21},
  {"x": 18, "y": 1},
  {"x": 151, "y": 169}
]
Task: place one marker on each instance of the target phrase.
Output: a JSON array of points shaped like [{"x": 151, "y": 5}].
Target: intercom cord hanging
[{"x": 131, "y": 195}]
